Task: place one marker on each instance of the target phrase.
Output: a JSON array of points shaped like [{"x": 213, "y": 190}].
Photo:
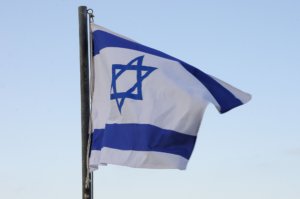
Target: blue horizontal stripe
[
  {"x": 143, "y": 137},
  {"x": 224, "y": 97}
]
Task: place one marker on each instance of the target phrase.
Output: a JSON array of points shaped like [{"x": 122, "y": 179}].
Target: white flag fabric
[{"x": 147, "y": 106}]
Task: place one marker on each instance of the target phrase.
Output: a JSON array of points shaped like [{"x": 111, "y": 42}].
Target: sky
[{"x": 250, "y": 152}]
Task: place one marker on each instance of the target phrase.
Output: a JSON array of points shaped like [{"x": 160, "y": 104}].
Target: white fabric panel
[
  {"x": 172, "y": 98},
  {"x": 137, "y": 159}
]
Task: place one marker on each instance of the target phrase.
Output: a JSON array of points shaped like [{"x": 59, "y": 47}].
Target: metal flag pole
[{"x": 87, "y": 192}]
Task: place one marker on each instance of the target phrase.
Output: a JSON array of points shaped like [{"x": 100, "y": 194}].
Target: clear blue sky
[{"x": 250, "y": 152}]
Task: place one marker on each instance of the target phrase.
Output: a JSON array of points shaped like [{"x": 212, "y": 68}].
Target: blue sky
[{"x": 250, "y": 152}]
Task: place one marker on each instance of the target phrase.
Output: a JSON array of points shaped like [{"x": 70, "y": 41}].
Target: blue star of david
[{"x": 135, "y": 92}]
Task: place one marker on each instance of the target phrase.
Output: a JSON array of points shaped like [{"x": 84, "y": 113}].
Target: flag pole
[{"x": 85, "y": 100}]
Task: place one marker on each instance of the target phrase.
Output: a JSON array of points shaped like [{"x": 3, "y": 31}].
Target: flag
[{"x": 147, "y": 106}]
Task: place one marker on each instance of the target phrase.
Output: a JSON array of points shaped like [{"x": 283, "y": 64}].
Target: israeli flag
[{"x": 147, "y": 106}]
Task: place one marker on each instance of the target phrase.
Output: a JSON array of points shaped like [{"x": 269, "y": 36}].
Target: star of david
[{"x": 134, "y": 92}]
